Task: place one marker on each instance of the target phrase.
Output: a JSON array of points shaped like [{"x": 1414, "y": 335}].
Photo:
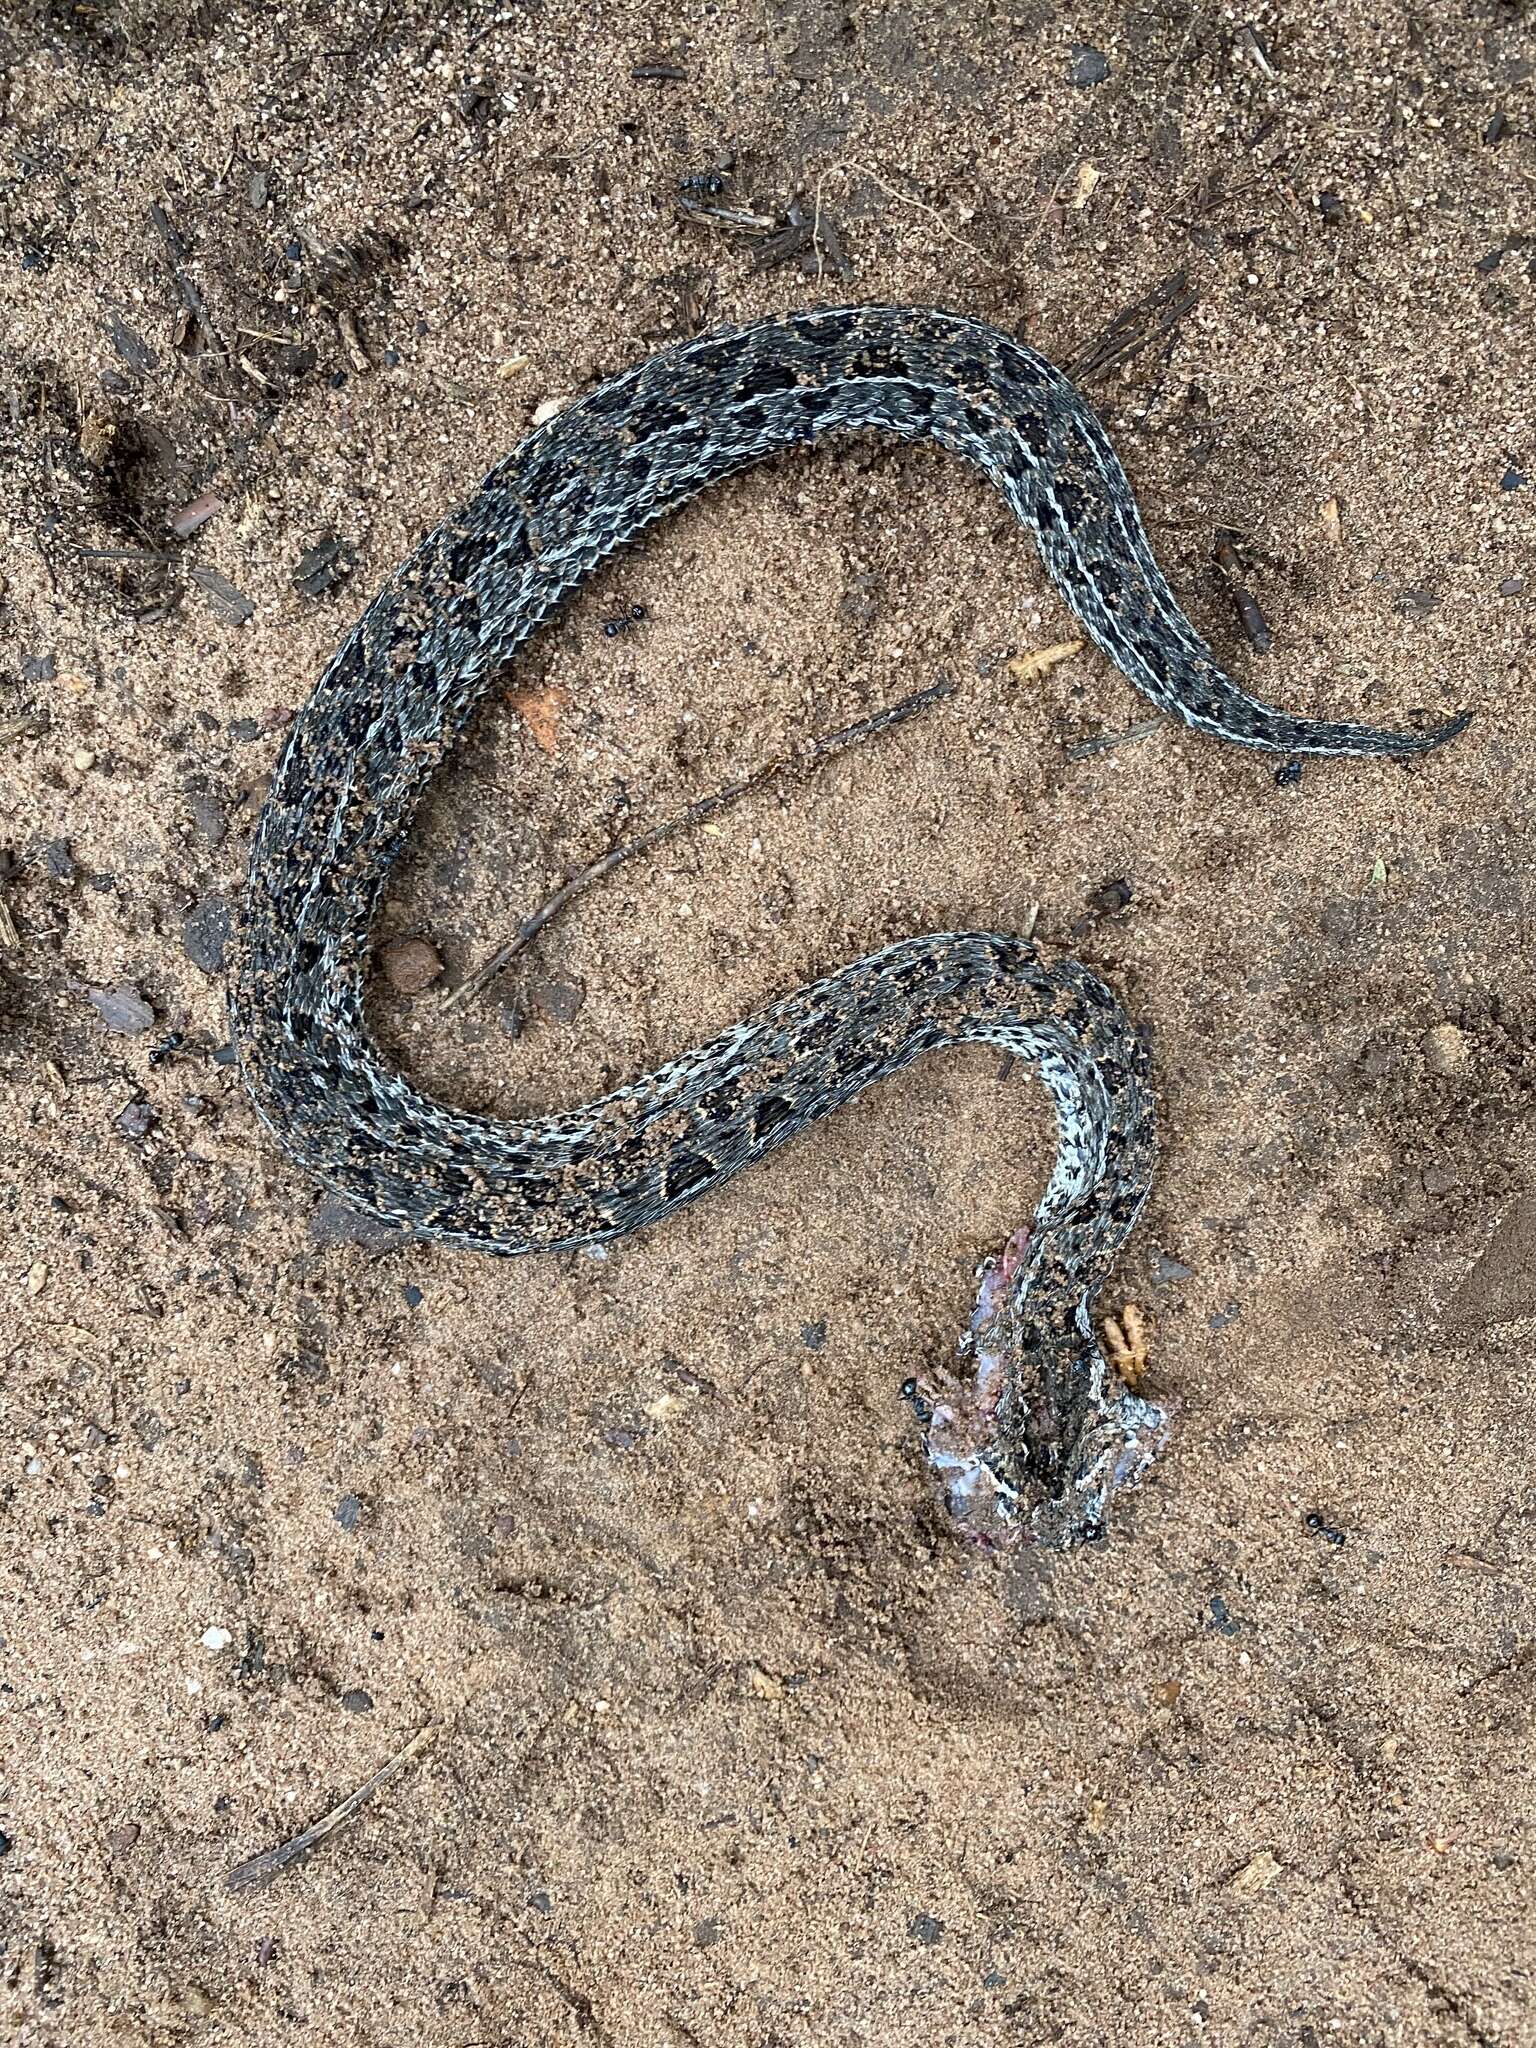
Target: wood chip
[
  {"x": 1024, "y": 668},
  {"x": 352, "y": 341},
  {"x": 1333, "y": 522},
  {"x": 197, "y": 514},
  {"x": 1255, "y": 1876}
]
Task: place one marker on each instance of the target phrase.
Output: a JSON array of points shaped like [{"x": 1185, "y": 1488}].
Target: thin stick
[
  {"x": 260, "y": 1870},
  {"x": 696, "y": 814}
]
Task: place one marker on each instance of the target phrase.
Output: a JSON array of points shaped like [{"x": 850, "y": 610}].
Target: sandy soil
[{"x": 728, "y": 1742}]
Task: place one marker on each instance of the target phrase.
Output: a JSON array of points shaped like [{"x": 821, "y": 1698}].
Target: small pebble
[
  {"x": 137, "y": 1120},
  {"x": 357, "y": 1701},
  {"x": 85, "y": 757},
  {"x": 924, "y": 1928},
  {"x": 349, "y": 1511},
  {"x": 1089, "y": 66},
  {"x": 216, "y": 1639},
  {"x": 410, "y": 965}
]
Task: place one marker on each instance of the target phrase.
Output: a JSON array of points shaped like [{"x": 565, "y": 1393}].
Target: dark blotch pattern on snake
[{"x": 1045, "y": 1432}]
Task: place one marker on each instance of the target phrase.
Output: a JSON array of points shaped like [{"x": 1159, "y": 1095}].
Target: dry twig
[{"x": 696, "y": 814}]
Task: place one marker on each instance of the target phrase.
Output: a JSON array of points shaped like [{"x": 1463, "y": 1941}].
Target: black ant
[
  {"x": 698, "y": 188},
  {"x": 624, "y": 621},
  {"x": 159, "y": 1054}
]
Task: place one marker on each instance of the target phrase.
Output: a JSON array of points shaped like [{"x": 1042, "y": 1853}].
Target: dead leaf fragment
[
  {"x": 1087, "y": 180},
  {"x": 540, "y": 712},
  {"x": 1333, "y": 523}
]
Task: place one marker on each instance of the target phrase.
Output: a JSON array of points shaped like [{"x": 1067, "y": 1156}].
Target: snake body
[{"x": 1044, "y": 1421}]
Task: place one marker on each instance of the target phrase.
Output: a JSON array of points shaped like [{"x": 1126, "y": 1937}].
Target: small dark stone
[
  {"x": 5, "y": 1843},
  {"x": 349, "y": 1512},
  {"x": 205, "y": 934},
  {"x": 226, "y": 1055},
  {"x": 391, "y": 358},
  {"x": 1221, "y": 1619},
  {"x": 137, "y": 1120},
  {"x": 924, "y": 1928},
  {"x": 357, "y": 1701},
  {"x": 245, "y": 728},
  {"x": 1497, "y": 128},
  {"x": 1224, "y": 1317},
  {"x": 540, "y": 1902},
  {"x": 707, "y": 1933},
  {"x": 1415, "y": 604},
  {"x": 1485, "y": 266},
  {"x": 511, "y": 1019},
  {"x": 814, "y": 1335},
  {"x": 1110, "y": 898},
  {"x": 122, "y": 1839},
  {"x": 59, "y": 861},
  {"x": 1330, "y": 206},
  {"x": 1512, "y": 586},
  {"x": 38, "y": 668},
  {"x": 412, "y": 1294},
  {"x": 1513, "y": 480},
  {"x": 1089, "y": 66},
  {"x": 622, "y": 1439},
  {"x": 1288, "y": 776}
]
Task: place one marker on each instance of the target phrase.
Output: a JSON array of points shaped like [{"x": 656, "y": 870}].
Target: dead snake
[{"x": 1044, "y": 1432}]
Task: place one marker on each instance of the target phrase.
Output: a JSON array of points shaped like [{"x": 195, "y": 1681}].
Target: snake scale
[{"x": 1041, "y": 1433}]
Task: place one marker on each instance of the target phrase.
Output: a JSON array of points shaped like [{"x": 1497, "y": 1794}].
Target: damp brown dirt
[{"x": 728, "y": 1742}]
